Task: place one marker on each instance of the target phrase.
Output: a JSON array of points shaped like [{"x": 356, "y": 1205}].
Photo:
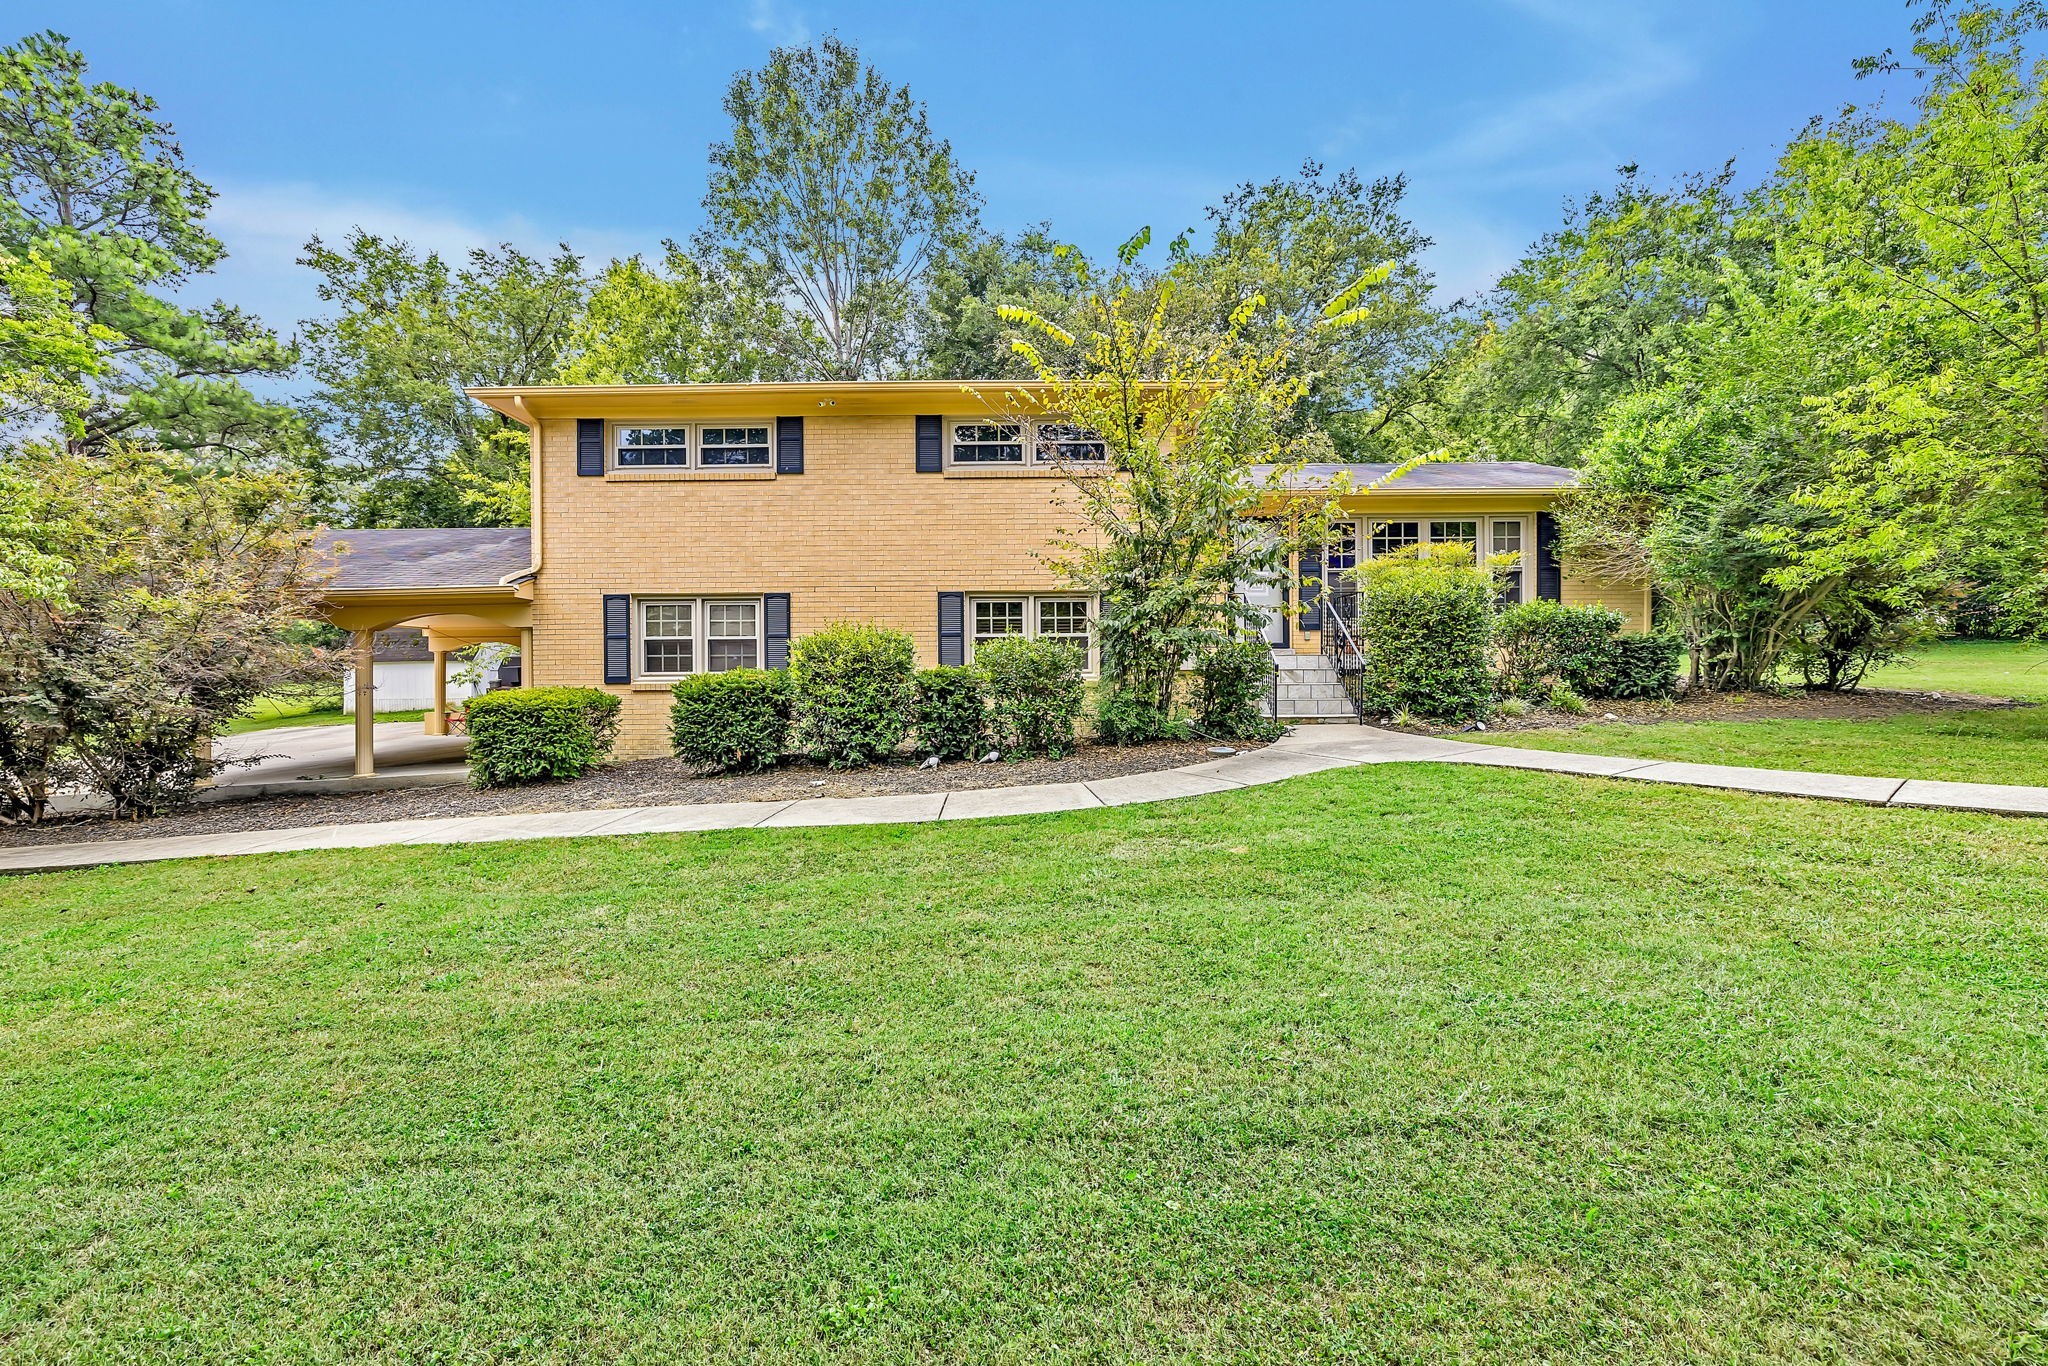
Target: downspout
[{"x": 533, "y": 530}]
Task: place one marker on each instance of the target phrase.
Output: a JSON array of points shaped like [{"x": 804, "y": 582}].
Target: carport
[{"x": 462, "y": 586}]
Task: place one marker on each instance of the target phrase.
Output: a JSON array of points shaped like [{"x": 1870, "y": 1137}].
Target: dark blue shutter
[
  {"x": 589, "y": 445},
  {"x": 618, "y": 638},
  {"x": 1312, "y": 590},
  {"x": 1549, "y": 571},
  {"x": 931, "y": 445},
  {"x": 952, "y": 628},
  {"x": 789, "y": 446},
  {"x": 775, "y": 622}
]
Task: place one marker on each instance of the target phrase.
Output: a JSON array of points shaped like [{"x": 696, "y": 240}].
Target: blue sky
[{"x": 460, "y": 124}]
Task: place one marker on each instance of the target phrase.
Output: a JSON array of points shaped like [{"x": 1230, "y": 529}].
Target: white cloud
[
  {"x": 777, "y": 22},
  {"x": 265, "y": 228}
]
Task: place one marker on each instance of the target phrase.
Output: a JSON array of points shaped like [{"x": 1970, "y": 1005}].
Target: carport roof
[{"x": 385, "y": 558}]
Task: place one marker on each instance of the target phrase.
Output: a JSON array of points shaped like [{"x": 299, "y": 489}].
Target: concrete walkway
[{"x": 1310, "y": 749}]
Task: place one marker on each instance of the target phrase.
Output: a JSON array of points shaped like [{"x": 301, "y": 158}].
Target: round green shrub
[
  {"x": 1034, "y": 694},
  {"x": 852, "y": 686},
  {"x": 1234, "y": 681},
  {"x": 736, "y": 722},
  {"x": 1639, "y": 666},
  {"x": 1540, "y": 643},
  {"x": 1425, "y": 623},
  {"x": 952, "y": 713},
  {"x": 526, "y": 735}
]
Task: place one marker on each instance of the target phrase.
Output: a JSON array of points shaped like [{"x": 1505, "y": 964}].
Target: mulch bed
[
  {"x": 1872, "y": 705},
  {"x": 646, "y": 782}
]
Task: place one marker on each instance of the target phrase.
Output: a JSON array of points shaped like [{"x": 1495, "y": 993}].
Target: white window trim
[
  {"x": 700, "y": 638},
  {"x": 1031, "y": 602},
  {"x": 694, "y": 455},
  {"x": 1027, "y": 437},
  {"x": 1485, "y": 521}
]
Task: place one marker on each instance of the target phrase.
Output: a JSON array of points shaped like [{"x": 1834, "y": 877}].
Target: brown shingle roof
[{"x": 425, "y": 557}]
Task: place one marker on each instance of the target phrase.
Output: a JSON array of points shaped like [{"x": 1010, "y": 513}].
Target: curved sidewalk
[{"x": 1307, "y": 750}]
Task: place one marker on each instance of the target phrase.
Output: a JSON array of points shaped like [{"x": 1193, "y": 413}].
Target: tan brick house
[{"x": 683, "y": 528}]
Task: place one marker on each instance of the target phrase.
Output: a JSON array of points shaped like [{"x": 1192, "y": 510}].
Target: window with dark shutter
[
  {"x": 618, "y": 638},
  {"x": 789, "y": 445},
  {"x": 1312, "y": 590},
  {"x": 952, "y": 629},
  {"x": 775, "y": 628},
  {"x": 589, "y": 446},
  {"x": 931, "y": 445},
  {"x": 1549, "y": 570}
]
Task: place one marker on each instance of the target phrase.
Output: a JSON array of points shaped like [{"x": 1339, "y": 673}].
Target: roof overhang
[
  {"x": 528, "y": 404},
  {"x": 504, "y": 606}
]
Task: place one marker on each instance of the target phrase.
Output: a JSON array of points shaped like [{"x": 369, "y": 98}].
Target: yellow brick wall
[{"x": 860, "y": 535}]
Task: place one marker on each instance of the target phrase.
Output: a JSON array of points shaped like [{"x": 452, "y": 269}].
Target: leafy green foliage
[
  {"x": 1233, "y": 686},
  {"x": 1169, "y": 542},
  {"x": 1850, "y": 634},
  {"x": 163, "y": 605},
  {"x": 951, "y": 713},
  {"x": 1425, "y": 623},
  {"x": 95, "y": 191},
  {"x": 527, "y": 735},
  {"x": 851, "y": 685},
  {"x": 1540, "y": 643},
  {"x": 833, "y": 191},
  {"x": 1034, "y": 694},
  {"x": 408, "y": 333},
  {"x": 1125, "y": 716},
  {"x": 1638, "y": 666},
  {"x": 737, "y": 721},
  {"x": 691, "y": 321}
]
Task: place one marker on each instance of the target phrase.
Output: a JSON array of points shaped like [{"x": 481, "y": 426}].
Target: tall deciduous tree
[
  {"x": 687, "y": 321},
  {"x": 408, "y": 334},
  {"x": 833, "y": 185},
  {"x": 1296, "y": 242},
  {"x": 93, "y": 185},
  {"x": 1201, "y": 447}
]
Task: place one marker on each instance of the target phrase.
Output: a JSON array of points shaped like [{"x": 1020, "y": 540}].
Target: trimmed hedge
[
  {"x": 1425, "y": 623},
  {"x": 1640, "y": 666},
  {"x": 1234, "y": 681},
  {"x": 737, "y": 721},
  {"x": 852, "y": 686},
  {"x": 526, "y": 735},
  {"x": 952, "y": 713},
  {"x": 1034, "y": 694},
  {"x": 1541, "y": 643}
]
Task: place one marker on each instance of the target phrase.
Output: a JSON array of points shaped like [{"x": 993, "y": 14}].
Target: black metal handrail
[{"x": 1341, "y": 647}]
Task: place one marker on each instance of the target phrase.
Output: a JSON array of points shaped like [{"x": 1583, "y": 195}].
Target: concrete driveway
[{"x": 299, "y": 755}]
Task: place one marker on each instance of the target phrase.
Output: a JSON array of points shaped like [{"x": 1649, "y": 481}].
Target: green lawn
[
  {"x": 1411, "y": 1063},
  {"x": 269, "y": 713},
  {"x": 1993, "y": 668},
  {"x": 1968, "y": 746}
]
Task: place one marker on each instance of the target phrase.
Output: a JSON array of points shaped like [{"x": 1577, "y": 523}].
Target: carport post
[
  {"x": 366, "y": 704},
  {"x": 437, "y": 719}
]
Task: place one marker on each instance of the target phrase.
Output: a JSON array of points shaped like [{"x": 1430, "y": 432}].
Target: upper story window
[
  {"x": 983, "y": 441},
  {"x": 704, "y": 445},
  {"x": 732, "y": 446},
  {"x": 1063, "y": 441},
  {"x": 650, "y": 447},
  {"x": 988, "y": 443}
]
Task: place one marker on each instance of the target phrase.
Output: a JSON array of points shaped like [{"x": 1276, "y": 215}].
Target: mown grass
[
  {"x": 1990, "y": 668},
  {"x": 1401, "y": 1064},
  {"x": 269, "y": 713},
  {"x": 1964, "y": 746}
]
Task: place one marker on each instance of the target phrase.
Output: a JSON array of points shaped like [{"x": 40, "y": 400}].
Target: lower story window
[
  {"x": 699, "y": 635},
  {"x": 1066, "y": 619},
  {"x": 1388, "y": 537},
  {"x": 1464, "y": 533}
]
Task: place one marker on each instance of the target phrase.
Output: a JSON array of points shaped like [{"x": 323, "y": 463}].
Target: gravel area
[
  {"x": 1870, "y": 705},
  {"x": 646, "y": 782}
]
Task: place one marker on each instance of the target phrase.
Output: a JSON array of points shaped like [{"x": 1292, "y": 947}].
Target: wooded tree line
[{"x": 1808, "y": 403}]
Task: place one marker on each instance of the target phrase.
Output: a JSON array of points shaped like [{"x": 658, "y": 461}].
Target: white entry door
[{"x": 1267, "y": 599}]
